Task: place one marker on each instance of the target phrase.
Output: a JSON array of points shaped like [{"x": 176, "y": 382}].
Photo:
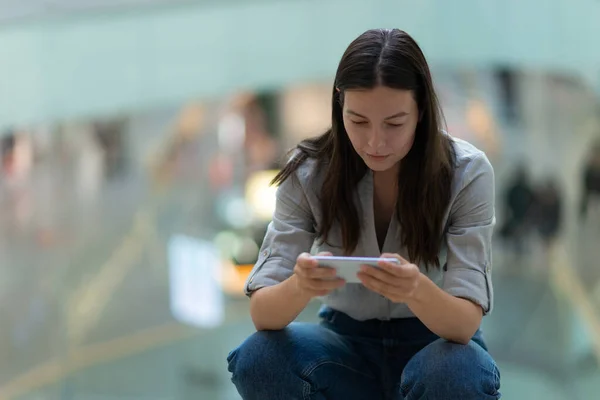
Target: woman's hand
[
  {"x": 313, "y": 280},
  {"x": 398, "y": 283}
]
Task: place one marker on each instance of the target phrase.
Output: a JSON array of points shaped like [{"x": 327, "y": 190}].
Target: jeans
[{"x": 341, "y": 358}]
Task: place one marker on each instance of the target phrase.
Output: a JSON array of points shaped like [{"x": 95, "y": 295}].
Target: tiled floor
[{"x": 532, "y": 349}]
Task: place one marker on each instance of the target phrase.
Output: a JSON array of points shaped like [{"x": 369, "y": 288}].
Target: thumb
[
  {"x": 305, "y": 260},
  {"x": 396, "y": 256}
]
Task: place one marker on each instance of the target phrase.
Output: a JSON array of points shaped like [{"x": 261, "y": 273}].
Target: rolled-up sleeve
[
  {"x": 469, "y": 236},
  {"x": 290, "y": 233}
]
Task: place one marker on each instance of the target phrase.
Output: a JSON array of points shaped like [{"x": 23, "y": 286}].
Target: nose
[{"x": 376, "y": 139}]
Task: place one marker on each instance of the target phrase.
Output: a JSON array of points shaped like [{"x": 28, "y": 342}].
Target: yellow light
[{"x": 260, "y": 196}]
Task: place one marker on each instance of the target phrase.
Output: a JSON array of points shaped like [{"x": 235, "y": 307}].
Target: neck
[
  {"x": 385, "y": 183},
  {"x": 387, "y": 178}
]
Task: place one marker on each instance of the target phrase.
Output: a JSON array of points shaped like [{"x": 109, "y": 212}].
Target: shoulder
[
  {"x": 473, "y": 188},
  {"x": 304, "y": 184},
  {"x": 307, "y": 176},
  {"x": 470, "y": 163}
]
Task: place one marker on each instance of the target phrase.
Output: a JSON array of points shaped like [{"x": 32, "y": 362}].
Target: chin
[{"x": 380, "y": 167}]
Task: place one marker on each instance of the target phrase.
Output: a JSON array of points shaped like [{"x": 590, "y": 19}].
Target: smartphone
[{"x": 347, "y": 267}]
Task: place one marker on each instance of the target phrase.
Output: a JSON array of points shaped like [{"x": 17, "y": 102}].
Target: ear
[{"x": 337, "y": 89}]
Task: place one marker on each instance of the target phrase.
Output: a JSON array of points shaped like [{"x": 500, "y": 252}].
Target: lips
[{"x": 377, "y": 157}]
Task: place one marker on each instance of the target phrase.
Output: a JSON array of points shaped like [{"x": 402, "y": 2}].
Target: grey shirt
[{"x": 465, "y": 254}]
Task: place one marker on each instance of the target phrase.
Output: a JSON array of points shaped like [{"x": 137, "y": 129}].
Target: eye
[
  {"x": 358, "y": 122},
  {"x": 395, "y": 125}
]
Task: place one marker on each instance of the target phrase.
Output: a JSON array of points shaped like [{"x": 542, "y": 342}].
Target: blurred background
[{"x": 138, "y": 138}]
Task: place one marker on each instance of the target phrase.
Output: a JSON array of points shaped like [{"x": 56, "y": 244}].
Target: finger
[
  {"x": 376, "y": 285},
  {"x": 400, "y": 271},
  {"x": 379, "y": 273},
  {"x": 301, "y": 272},
  {"x": 387, "y": 288},
  {"x": 390, "y": 268},
  {"x": 368, "y": 281},
  {"x": 391, "y": 283},
  {"x": 396, "y": 256},
  {"x": 301, "y": 269},
  {"x": 321, "y": 273},
  {"x": 325, "y": 253},
  {"x": 305, "y": 260}
]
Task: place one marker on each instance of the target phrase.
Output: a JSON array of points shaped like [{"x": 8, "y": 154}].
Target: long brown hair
[{"x": 393, "y": 59}]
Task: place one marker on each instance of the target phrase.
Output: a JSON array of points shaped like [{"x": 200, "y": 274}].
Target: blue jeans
[{"x": 341, "y": 358}]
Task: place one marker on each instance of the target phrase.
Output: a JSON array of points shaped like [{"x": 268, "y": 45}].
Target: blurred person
[
  {"x": 518, "y": 201},
  {"x": 110, "y": 134},
  {"x": 90, "y": 165},
  {"x": 384, "y": 180},
  {"x": 508, "y": 84},
  {"x": 17, "y": 162},
  {"x": 22, "y": 156},
  {"x": 548, "y": 212},
  {"x": 260, "y": 147},
  {"x": 8, "y": 149},
  {"x": 591, "y": 181}
]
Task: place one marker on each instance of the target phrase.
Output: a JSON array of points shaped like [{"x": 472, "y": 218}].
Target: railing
[{"x": 15, "y": 11}]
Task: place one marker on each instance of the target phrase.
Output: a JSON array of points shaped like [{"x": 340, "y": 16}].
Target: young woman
[{"x": 387, "y": 181}]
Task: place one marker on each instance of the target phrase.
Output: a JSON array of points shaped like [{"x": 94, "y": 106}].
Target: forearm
[
  {"x": 447, "y": 316},
  {"x": 275, "y": 307}
]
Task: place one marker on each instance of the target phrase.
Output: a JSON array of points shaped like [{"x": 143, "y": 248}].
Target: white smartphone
[{"x": 348, "y": 267}]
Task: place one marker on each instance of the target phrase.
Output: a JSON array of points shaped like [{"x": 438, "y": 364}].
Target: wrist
[
  {"x": 297, "y": 291},
  {"x": 419, "y": 294}
]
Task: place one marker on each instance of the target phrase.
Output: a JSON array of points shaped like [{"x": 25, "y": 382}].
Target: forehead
[{"x": 379, "y": 101}]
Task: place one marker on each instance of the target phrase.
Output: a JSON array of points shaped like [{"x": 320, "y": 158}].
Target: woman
[{"x": 385, "y": 180}]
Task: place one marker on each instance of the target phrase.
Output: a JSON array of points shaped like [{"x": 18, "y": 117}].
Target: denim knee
[
  {"x": 254, "y": 356},
  {"x": 262, "y": 367},
  {"x": 446, "y": 370}
]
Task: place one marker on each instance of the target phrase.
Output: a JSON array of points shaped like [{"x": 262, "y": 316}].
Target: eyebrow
[{"x": 400, "y": 114}]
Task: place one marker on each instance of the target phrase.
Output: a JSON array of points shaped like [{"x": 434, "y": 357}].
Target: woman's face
[{"x": 381, "y": 124}]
